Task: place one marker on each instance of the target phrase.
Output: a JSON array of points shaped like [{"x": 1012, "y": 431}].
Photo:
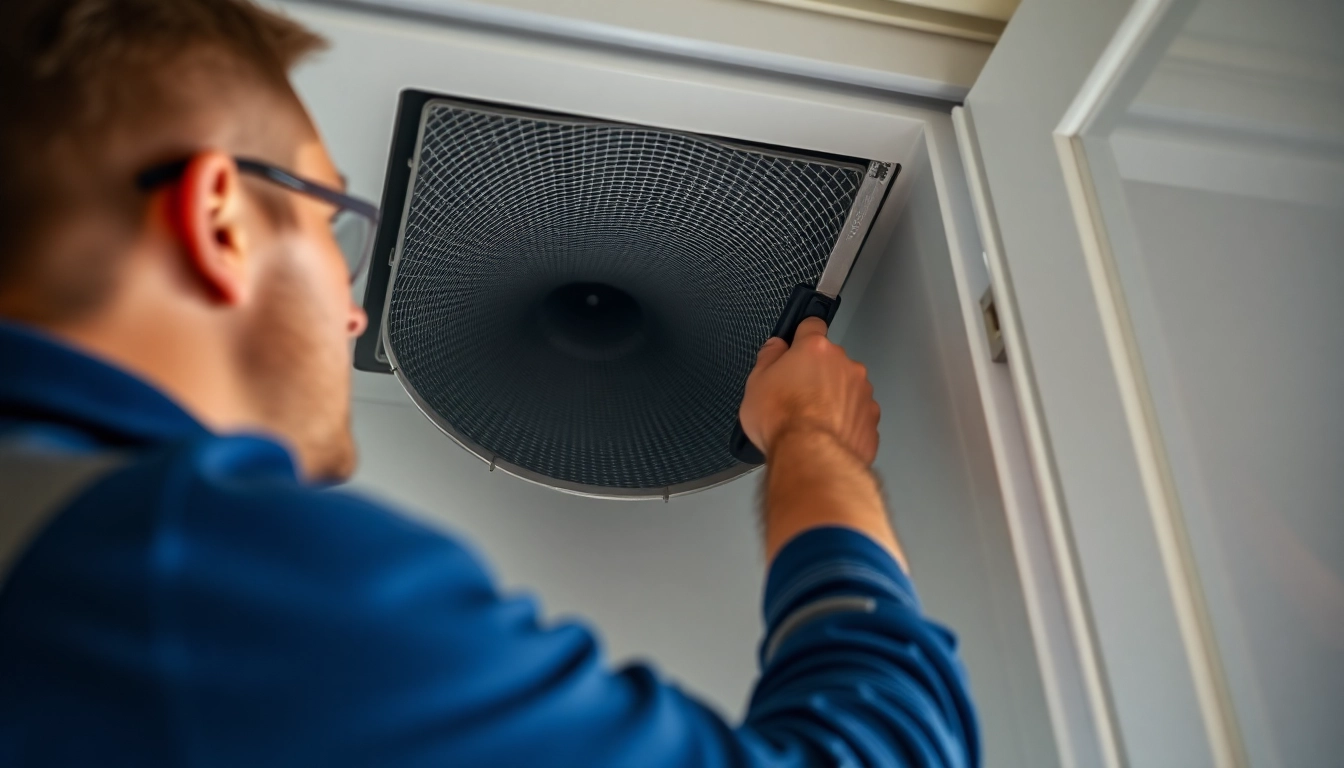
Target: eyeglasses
[{"x": 354, "y": 224}]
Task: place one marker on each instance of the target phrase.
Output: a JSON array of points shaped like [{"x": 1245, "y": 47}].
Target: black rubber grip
[{"x": 804, "y": 302}]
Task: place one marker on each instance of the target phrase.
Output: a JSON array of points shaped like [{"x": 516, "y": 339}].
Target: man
[{"x": 176, "y": 587}]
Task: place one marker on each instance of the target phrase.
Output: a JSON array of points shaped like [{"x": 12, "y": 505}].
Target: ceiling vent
[{"x": 578, "y": 302}]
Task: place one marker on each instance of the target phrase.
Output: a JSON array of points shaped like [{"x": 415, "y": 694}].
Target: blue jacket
[{"x": 186, "y": 600}]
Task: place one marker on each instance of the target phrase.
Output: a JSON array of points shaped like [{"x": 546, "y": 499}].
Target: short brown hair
[{"x": 93, "y": 88}]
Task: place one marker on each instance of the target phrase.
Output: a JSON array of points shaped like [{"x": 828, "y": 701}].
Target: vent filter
[{"x": 579, "y": 302}]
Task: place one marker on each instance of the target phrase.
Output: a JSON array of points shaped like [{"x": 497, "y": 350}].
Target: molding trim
[
  {"x": 481, "y": 14},
  {"x": 1134, "y": 50},
  {"x": 918, "y": 16}
]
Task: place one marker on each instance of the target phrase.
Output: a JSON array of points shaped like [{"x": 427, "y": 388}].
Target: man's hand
[
  {"x": 814, "y": 385},
  {"x": 811, "y": 411}
]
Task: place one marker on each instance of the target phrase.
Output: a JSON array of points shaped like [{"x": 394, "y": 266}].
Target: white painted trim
[
  {"x": 920, "y": 16},
  {"x": 999, "y": 10},
  {"x": 1038, "y": 590},
  {"x": 592, "y": 32},
  {"x": 1111, "y": 66},
  {"x": 1129, "y": 49}
]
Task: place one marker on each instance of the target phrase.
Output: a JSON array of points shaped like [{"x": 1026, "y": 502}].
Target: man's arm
[
  {"x": 811, "y": 408},
  {"x": 850, "y": 667},
  {"x": 814, "y": 481}
]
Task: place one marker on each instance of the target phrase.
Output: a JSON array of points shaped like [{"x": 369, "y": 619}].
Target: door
[{"x": 1160, "y": 189}]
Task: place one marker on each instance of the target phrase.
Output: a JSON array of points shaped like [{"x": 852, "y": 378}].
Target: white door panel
[
  {"x": 1168, "y": 188},
  {"x": 1219, "y": 274}
]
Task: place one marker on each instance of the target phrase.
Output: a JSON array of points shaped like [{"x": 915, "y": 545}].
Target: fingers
[
  {"x": 773, "y": 350},
  {"x": 870, "y": 455},
  {"x": 872, "y": 443},
  {"x": 812, "y": 379},
  {"x": 811, "y": 326},
  {"x": 775, "y": 347}
]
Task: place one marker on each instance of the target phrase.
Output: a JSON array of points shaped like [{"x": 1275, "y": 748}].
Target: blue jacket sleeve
[
  {"x": 852, "y": 672},
  {"x": 319, "y": 629}
]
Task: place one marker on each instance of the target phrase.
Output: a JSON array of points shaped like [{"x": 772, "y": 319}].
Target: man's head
[{"x": 226, "y": 291}]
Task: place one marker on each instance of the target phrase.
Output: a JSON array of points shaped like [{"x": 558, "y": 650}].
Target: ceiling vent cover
[{"x": 579, "y": 302}]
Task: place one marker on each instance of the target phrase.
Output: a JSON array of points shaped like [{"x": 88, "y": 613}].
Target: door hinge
[{"x": 993, "y": 331}]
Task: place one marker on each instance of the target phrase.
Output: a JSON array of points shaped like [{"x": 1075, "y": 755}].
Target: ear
[{"x": 209, "y": 222}]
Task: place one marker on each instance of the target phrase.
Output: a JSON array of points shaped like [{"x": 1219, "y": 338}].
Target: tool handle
[{"x": 803, "y": 303}]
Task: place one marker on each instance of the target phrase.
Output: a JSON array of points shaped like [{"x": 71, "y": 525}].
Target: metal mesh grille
[{"x": 709, "y": 238}]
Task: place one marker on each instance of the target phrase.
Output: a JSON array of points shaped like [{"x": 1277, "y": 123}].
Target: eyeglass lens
[{"x": 354, "y": 234}]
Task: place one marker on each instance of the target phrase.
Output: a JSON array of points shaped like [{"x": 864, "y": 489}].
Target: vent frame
[{"x": 374, "y": 351}]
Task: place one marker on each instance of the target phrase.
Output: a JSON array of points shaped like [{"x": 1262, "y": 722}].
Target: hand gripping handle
[{"x": 804, "y": 302}]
